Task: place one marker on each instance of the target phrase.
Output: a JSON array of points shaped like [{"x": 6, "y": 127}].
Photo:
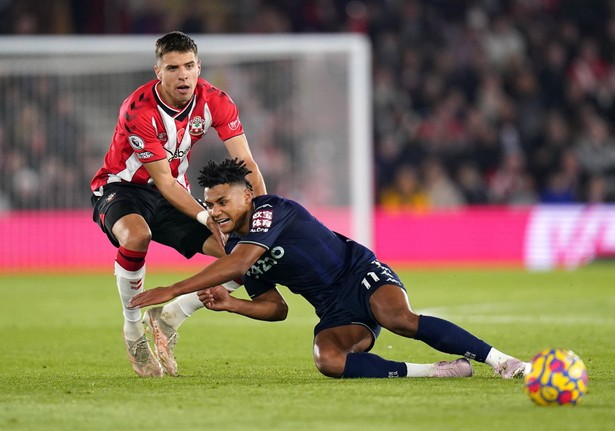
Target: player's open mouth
[
  {"x": 223, "y": 221},
  {"x": 183, "y": 88}
]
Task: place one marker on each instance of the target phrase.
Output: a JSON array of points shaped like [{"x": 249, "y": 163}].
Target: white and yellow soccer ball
[{"x": 557, "y": 377}]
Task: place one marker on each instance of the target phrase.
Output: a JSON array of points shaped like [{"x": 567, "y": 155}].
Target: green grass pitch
[{"x": 63, "y": 365}]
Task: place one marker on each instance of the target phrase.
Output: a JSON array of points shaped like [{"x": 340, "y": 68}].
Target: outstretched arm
[
  {"x": 224, "y": 269},
  {"x": 268, "y": 306}
]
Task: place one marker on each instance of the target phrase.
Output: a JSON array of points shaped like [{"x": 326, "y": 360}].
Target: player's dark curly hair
[
  {"x": 229, "y": 171},
  {"x": 175, "y": 41}
]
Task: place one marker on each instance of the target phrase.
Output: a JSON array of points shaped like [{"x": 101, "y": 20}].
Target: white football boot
[
  {"x": 142, "y": 358},
  {"x": 165, "y": 338},
  {"x": 512, "y": 368}
]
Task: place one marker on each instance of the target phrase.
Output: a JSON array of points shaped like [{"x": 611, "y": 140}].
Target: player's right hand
[{"x": 155, "y": 296}]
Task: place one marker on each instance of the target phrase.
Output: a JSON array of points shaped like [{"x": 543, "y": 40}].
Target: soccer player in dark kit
[
  {"x": 274, "y": 240},
  {"x": 142, "y": 194}
]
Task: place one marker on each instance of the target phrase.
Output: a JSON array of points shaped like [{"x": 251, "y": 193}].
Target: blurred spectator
[
  {"x": 503, "y": 43},
  {"x": 565, "y": 181},
  {"x": 484, "y": 148},
  {"x": 529, "y": 105},
  {"x": 597, "y": 190},
  {"x": 406, "y": 192},
  {"x": 471, "y": 184},
  {"x": 388, "y": 153},
  {"x": 491, "y": 97},
  {"x": 588, "y": 68},
  {"x": 552, "y": 74},
  {"x": 442, "y": 192},
  {"x": 511, "y": 183},
  {"x": 554, "y": 140},
  {"x": 595, "y": 147},
  {"x": 558, "y": 190}
]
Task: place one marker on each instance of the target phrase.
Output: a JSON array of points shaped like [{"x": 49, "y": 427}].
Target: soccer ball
[{"x": 557, "y": 377}]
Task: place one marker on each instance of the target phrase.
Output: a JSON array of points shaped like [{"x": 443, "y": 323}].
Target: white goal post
[{"x": 305, "y": 101}]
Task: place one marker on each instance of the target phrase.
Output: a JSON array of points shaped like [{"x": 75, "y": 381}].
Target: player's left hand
[
  {"x": 216, "y": 298},
  {"x": 152, "y": 297}
]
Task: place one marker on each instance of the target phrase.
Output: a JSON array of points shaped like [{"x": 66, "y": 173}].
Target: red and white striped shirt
[{"x": 149, "y": 130}]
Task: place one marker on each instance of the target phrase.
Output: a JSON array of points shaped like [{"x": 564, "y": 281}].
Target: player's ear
[
  {"x": 247, "y": 195},
  {"x": 157, "y": 72}
]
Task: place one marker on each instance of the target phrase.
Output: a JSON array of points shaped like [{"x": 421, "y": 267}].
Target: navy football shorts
[
  {"x": 351, "y": 306},
  {"x": 169, "y": 226}
]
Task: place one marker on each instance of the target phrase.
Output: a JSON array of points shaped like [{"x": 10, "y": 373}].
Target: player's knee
[
  {"x": 330, "y": 363},
  {"x": 133, "y": 237},
  {"x": 138, "y": 239}
]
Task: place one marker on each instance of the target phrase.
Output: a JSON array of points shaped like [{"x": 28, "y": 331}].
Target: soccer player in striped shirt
[{"x": 142, "y": 194}]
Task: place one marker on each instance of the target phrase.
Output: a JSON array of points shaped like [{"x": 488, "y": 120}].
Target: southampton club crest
[{"x": 196, "y": 126}]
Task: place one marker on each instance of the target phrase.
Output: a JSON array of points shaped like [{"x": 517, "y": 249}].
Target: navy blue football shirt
[{"x": 302, "y": 253}]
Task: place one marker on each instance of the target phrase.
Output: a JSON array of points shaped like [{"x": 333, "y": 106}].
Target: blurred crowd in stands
[{"x": 506, "y": 102}]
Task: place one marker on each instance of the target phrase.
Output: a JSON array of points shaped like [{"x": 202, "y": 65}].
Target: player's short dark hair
[
  {"x": 175, "y": 41},
  {"x": 229, "y": 171}
]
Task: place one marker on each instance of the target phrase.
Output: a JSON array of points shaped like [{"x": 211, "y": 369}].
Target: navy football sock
[
  {"x": 370, "y": 365},
  {"x": 447, "y": 337}
]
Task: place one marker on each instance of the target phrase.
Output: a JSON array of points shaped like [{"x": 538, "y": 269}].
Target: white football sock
[
  {"x": 419, "y": 370},
  {"x": 174, "y": 313},
  {"x": 129, "y": 284},
  {"x": 495, "y": 357},
  {"x": 231, "y": 286}
]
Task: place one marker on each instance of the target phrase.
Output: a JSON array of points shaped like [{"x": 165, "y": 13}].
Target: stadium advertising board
[{"x": 539, "y": 238}]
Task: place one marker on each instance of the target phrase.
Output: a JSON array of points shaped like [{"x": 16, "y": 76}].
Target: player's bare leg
[{"x": 332, "y": 345}]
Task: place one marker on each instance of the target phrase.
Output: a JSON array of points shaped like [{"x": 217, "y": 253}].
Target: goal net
[{"x": 304, "y": 101}]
